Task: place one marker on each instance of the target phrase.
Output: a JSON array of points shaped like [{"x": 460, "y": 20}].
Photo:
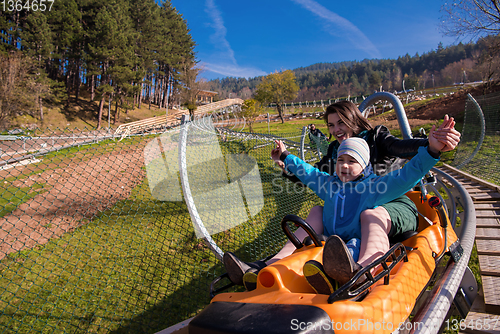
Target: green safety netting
[
  {"x": 478, "y": 152},
  {"x": 97, "y": 231}
]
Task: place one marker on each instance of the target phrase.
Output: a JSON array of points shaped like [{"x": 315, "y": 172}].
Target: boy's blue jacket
[{"x": 344, "y": 202}]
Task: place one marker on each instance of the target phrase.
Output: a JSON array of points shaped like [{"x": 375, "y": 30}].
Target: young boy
[{"x": 352, "y": 189}]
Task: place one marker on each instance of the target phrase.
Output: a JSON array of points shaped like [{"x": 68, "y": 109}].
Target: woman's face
[{"x": 338, "y": 128}]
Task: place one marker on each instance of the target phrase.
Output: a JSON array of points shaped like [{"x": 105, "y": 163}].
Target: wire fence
[
  {"x": 97, "y": 233},
  {"x": 107, "y": 234},
  {"x": 407, "y": 96},
  {"x": 478, "y": 150}
]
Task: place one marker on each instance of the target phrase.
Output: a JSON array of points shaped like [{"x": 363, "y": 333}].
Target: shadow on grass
[
  {"x": 193, "y": 267},
  {"x": 85, "y": 110}
]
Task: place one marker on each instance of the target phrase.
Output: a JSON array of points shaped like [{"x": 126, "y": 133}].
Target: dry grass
[{"x": 82, "y": 114}]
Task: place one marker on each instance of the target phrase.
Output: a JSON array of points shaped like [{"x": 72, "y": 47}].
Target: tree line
[
  {"x": 469, "y": 62},
  {"x": 128, "y": 52}
]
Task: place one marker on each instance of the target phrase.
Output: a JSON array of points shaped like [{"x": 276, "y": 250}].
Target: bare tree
[
  {"x": 489, "y": 61},
  {"x": 476, "y": 18},
  {"x": 471, "y": 18},
  {"x": 19, "y": 91}
]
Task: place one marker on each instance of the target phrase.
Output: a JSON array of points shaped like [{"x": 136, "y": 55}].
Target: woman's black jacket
[{"x": 387, "y": 153}]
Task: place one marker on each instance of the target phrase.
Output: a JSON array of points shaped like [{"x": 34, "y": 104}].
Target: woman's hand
[
  {"x": 281, "y": 164},
  {"x": 446, "y": 134},
  {"x": 445, "y": 138},
  {"x": 435, "y": 146}
]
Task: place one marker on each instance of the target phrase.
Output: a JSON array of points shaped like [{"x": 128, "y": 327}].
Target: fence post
[{"x": 302, "y": 139}]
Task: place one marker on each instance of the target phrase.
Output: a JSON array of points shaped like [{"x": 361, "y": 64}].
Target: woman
[{"x": 387, "y": 153}]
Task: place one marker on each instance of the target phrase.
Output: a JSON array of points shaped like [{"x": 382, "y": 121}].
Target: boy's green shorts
[{"x": 403, "y": 213}]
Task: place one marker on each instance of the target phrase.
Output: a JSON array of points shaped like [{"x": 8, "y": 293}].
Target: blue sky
[{"x": 252, "y": 38}]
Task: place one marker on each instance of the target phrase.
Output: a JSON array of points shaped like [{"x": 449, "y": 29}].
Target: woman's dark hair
[{"x": 350, "y": 115}]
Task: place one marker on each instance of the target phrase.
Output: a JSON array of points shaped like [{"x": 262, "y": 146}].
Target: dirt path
[{"x": 74, "y": 194}]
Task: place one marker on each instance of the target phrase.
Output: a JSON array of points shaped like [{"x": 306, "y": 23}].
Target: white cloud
[
  {"x": 218, "y": 38},
  {"x": 226, "y": 64},
  {"x": 347, "y": 29},
  {"x": 233, "y": 70}
]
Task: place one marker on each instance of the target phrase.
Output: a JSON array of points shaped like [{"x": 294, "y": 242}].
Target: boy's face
[{"x": 348, "y": 168}]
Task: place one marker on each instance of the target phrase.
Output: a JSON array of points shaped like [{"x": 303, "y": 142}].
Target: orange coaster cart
[{"x": 283, "y": 301}]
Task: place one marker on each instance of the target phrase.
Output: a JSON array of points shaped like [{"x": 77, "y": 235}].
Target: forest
[
  {"x": 128, "y": 52},
  {"x": 444, "y": 66}
]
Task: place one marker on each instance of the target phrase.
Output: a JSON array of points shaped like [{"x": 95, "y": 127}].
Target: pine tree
[
  {"x": 112, "y": 49},
  {"x": 6, "y": 31},
  {"x": 178, "y": 47}
]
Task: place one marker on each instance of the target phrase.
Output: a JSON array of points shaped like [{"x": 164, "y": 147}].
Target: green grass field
[{"x": 137, "y": 267}]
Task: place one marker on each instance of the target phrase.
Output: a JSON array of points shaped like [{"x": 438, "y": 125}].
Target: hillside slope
[{"x": 452, "y": 105}]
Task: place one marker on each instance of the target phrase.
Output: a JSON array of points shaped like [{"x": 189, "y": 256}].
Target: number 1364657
[
  {"x": 476, "y": 324},
  {"x": 28, "y": 5}
]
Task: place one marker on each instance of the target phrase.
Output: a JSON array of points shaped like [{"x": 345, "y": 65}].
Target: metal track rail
[
  {"x": 434, "y": 312},
  {"x": 484, "y": 315}
]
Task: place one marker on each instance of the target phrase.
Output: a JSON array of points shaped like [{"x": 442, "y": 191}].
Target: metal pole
[
  {"x": 186, "y": 189},
  {"x": 302, "y": 141},
  {"x": 268, "y": 126},
  {"x": 398, "y": 107}
]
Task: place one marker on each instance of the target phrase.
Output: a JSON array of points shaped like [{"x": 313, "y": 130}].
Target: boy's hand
[
  {"x": 276, "y": 153},
  {"x": 447, "y": 134}
]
